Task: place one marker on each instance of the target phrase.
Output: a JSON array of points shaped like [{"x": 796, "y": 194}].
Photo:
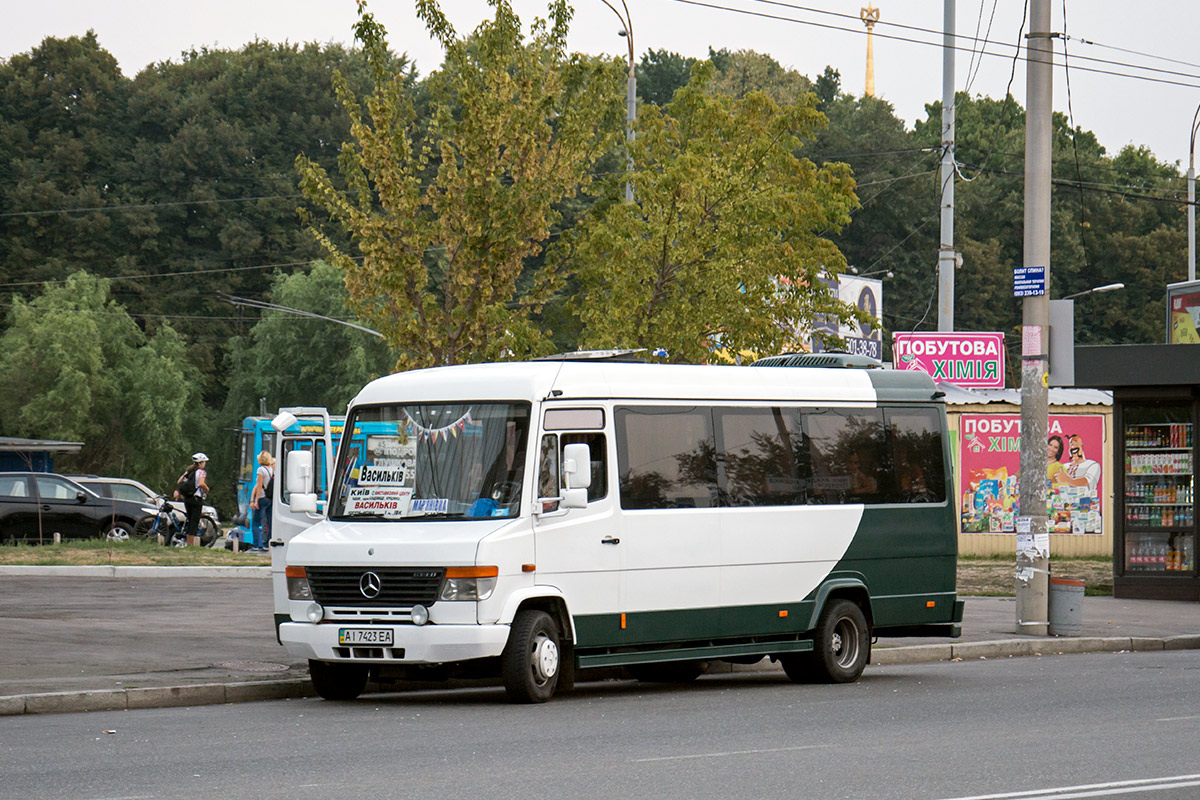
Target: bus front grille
[{"x": 375, "y": 586}]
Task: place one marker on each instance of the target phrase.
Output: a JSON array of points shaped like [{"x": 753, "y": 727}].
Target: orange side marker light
[
  {"x": 930, "y": 604},
  {"x": 783, "y": 613},
  {"x": 622, "y": 622}
]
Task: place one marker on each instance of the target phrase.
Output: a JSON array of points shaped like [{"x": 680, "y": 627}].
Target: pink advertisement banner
[
  {"x": 968, "y": 359},
  {"x": 990, "y": 454}
]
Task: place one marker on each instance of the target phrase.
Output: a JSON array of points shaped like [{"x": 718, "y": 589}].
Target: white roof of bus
[{"x": 618, "y": 380}]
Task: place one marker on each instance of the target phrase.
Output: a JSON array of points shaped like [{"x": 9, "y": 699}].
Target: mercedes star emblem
[{"x": 370, "y": 584}]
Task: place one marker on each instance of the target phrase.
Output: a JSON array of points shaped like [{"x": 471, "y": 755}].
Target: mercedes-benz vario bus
[{"x": 533, "y": 519}]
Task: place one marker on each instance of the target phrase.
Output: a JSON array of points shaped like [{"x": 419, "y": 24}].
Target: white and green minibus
[{"x": 532, "y": 519}]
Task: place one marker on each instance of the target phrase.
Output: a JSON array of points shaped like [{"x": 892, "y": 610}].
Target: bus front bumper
[{"x": 410, "y": 644}]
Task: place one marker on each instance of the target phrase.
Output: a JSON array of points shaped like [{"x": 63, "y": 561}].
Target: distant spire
[{"x": 869, "y": 17}]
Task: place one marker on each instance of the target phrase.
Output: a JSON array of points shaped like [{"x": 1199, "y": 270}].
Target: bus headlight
[
  {"x": 297, "y": 584},
  {"x": 314, "y": 612},
  {"x": 419, "y": 614},
  {"x": 469, "y": 583}
]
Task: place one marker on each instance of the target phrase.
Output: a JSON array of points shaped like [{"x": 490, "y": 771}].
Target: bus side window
[
  {"x": 599, "y": 462},
  {"x": 849, "y": 459},
  {"x": 666, "y": 457},
  {"x": 549, "y": 480},
  {"x": 915, "y": 436}
]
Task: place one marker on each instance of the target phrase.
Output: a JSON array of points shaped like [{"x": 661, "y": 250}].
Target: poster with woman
[{"x": 990, "y": 456}]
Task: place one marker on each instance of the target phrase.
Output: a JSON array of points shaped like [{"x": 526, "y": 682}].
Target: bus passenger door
[{"x": 299, "y": 429}]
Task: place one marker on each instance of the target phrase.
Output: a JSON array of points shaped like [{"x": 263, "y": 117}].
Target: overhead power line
[
  {"x": 1193, "y": 84},
  {"x": 134, "y": 206}
]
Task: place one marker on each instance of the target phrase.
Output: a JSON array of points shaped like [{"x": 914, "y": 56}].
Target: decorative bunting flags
[{"x": 433, "y": 434}]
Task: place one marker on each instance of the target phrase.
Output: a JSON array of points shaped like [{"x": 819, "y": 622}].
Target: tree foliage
[
  {"x": 289, "y": 360},
  {"x": 724, "y": 243},
  {"x": 76, "y": 367},
  {"x": 447, "y": 215}
]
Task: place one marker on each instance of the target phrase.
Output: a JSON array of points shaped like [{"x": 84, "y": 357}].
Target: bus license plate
[{"x": 354, "y": 636}]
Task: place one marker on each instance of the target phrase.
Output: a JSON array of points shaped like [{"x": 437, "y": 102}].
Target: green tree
[
  {"x": 895, "y": 229},
  {"x": 62, "y": 107},
  {"x": 76, "y": 367},
  {"x": 725, "y": 243},
  {"x": 740, "y": 72},
  {"x": 1112, "y": 219},
  {"x": 214, "y": 138},
  {"x": 447, "y": 216},
  {"x": 292, "y": 360},
  {"x": 660, "y": 73}
]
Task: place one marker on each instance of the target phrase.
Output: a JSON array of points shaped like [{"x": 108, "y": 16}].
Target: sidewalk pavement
[{"x": 124, "y": 638}]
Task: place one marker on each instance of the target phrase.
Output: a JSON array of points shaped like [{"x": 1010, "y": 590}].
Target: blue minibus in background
[{"x": 257, "y": 435}]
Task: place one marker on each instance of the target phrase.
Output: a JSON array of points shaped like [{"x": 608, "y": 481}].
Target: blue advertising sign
[{"x": 1029, "y": 281}]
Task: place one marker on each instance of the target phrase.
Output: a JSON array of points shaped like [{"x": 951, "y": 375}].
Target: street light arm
[
  {"x": 1192, "y": 143},
  {"x": 262, "y": 304},
  {"x": 1110, "y": 287},
  {"x": 627, "y": 21}
]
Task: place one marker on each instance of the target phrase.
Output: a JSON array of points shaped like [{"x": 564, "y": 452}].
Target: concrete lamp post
[{"x": 630, "y": 84}]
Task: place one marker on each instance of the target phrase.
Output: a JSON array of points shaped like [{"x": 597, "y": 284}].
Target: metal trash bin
[{"x": 1066, "y": 607}]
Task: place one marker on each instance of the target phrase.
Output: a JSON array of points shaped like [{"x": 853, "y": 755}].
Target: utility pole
[
  {"x": 946, "y": 254},
  {"x": 1191, "y": 211},
  {"x": 1033, "y": 558}
]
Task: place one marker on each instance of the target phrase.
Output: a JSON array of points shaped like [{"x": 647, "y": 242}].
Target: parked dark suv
[{"x": 36, "y": 505}]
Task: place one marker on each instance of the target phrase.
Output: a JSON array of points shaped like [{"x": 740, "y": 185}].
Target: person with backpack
[
  {"x": 192, "y": 488},
  {"x": 262, "y": 497}
]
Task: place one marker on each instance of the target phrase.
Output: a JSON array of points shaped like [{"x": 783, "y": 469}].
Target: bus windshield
[{"x": 432, "y": 461}]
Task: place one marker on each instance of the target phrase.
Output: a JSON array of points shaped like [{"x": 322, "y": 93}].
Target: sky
[{"x": 1108, "y": 40}]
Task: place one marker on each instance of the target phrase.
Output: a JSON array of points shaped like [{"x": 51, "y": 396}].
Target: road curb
[
  {"x": 253, "y": 691},
  {"x": 198, "y": 694},
  {"x": 119, "y": 571}
]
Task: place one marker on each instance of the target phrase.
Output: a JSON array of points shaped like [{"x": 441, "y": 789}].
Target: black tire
[
  {"x": 842, "y": 643},
  {"x": 118, "y": 532},
  {"x": 668, "y": 671},
  {"x": 531, "y": 661},
  {"x": 335, "y": 680},
  {"x": 209, "y": 531},
  {"x": 144, "y": 528},
  {"x": 799, "y": 667}
]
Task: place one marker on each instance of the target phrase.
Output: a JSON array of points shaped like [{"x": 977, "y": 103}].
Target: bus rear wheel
[
  {"x": 842, "y": 643},
  {"x": 337, "y": 681}
]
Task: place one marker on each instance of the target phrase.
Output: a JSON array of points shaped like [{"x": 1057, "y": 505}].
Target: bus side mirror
[
  {"x": 283, "y": 421},
  {"x": 577, "y": 472},
  {"x": 300, "y": 481},
  {"x": 577, "y": 466}
]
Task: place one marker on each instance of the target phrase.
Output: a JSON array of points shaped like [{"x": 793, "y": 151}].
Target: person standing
[
  {"x": 262, "y": 497},
  {"x": 192, "y": 488}
]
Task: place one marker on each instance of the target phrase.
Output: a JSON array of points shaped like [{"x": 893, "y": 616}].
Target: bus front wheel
[
  {"x": 530, "y": 664},
  {"x": 337, "y": 681}
]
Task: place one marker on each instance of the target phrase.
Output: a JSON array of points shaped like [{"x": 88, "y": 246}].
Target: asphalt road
[{"x": 1051, "y": 727}]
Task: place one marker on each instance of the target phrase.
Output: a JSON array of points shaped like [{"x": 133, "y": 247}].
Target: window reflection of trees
[
  {"x": 667, "y": 457},
  {"x": 782, "y": 456},
  {"x": 849, "y": 464}
]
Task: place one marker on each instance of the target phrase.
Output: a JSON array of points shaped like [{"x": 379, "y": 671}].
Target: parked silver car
[{"x": 129, "y": 489}]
